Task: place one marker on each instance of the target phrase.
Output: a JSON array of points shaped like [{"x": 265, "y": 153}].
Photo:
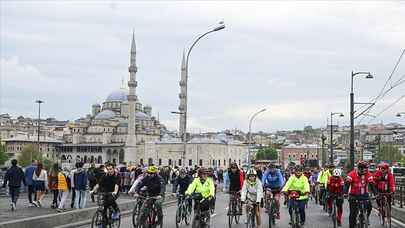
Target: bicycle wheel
[
  {"x": 135, "y": 213},
  {"x": 187, "y": 214},
  {"x": 178, "y": 215},
  {"x": 230, "y": 213},
  {"x": 195, "y": 223},
  {"x": 97, "y": 219},
  {"x": 388, "y": 214}
]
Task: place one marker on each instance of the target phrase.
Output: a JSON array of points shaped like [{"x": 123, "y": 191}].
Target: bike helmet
[
  {"x": 383, "y": 165},
  {"x": 272, "y": 166},
  {"x": 362, "y": 164},
  {"x": 152, "y": 169},
  {"x": 251, "y": 172},
  {"x": 298, "y": 168},
  {"x": 337, "y": 172}
]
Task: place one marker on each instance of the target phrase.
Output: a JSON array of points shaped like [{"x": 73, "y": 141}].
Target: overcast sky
[{"x": 293, "y": 58}]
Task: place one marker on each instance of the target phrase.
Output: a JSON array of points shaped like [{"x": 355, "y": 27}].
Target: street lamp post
[
  {"x": 331, "y": 134},
  {"x": 368, "y": 76},
  {"x": 39, "y": 122},
  {"x": 218, "y": 28},
  {"x": 250, "y": 132}
]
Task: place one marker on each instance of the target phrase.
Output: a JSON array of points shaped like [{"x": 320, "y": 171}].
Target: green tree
[
  {"x": 3, "y": 155},
  {"x": 267, "y": 153},
  {"x": 389, "y": 153},
  {"x": 24, "y": 158}
]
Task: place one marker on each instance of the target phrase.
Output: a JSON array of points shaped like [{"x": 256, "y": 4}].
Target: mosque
[{"x": 122, "y": 130}]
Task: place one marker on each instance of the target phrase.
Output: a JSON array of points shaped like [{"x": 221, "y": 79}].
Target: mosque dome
[
  {"x": 141, "y": 115},
  {"x": 118, "y": 95},
  {"x": 105, "y": 114}
]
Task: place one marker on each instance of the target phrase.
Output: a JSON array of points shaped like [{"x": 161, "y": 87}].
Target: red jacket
[
  {"x": 359, "y": 184},
  {"x": 335, "y": 185},
  {"x": 384, "y": 183}
]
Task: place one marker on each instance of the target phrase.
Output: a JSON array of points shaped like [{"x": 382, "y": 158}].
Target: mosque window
[
  {"x": 169, "y": 162},
  {"x": 160, "y": 161},
  {"x": 179, "y": 162},
  {"x": 190, "y": 162},
  {"x": 201, "y": 162}
]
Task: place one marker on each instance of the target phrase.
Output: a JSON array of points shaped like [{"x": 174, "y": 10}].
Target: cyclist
[
  {"x": 253, "y": 189},
  {"x": 273, "y": 179},
  {"x": 214, "y": 178},
  {"x": 183, "y": 180},
  {"x": 203, "y": 185},
  {"x": 384, "y": 180},
  {"x": 298, "y": 182},
  {"x": 109, "y": 183},
  {"x": 313, "y": 180},
  {"x": 155, "y": 187},
  {"x": 335, "y": 186},
  {"x": 359, "y": 180},
  {"x": 323, "y": 181},
  {"x": 236, "y": 179}
]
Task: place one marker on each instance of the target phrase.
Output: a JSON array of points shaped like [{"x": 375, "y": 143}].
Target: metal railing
[{"x": 399, "y": 196}]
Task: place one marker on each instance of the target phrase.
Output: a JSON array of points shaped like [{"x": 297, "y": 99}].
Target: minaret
[
  {"x": 182, "y": 95},
  {"x": 130, "y": 145}
]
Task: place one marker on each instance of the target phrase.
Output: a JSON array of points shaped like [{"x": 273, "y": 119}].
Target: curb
[{"x": 67, "y": 219}]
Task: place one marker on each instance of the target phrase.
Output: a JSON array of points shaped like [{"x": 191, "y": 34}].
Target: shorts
[{"x": 39, "y": 186}]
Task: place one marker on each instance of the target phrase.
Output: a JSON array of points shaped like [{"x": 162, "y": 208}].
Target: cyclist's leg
[
  {"x": 339, "y": 205},
  {"x": 368, "y": 207},
  {"x": 277, "y": 199},
  {"x": 258, "y": 218},
  {"x": 329, "y": 202},
  {"x": 301, "y": 208},
  {"x": 353, "y": 213},
  {"x": 290, "y": 202},
  {"x": 158, "y": 205}
]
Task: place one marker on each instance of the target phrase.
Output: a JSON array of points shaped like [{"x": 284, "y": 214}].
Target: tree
[
  {"x": 3, "y": 155},
  {"x": 267, "y": 154},
  {"x": 24, "y": 158},
  {"x": 388, "y": 153}
]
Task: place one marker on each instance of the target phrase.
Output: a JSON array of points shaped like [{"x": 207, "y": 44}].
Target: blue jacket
[
  {"x": 273, "y": 180},
  {"x": 80, "y": 179},
  {"x": 29, "y": 171},
  {"x": 14, "y": 177}
]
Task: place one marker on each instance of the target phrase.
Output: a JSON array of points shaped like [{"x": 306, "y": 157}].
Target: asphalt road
[{"x": 315, "y": 217}]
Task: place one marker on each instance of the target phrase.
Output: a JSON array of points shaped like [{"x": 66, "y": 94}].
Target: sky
[{"x": 292, "y": 58}]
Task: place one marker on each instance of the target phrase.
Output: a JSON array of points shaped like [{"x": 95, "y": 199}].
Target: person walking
[
  {"x": 80, "y": 180},
  {"x": 40, "y": 179},
  {"x": 29, "y": 171},
  {"x": 63, "y": 190},
  {"x": 14, "y": 177},
  {"x": 53, "y": 184},
  {"x": 91, "y": 175},
  {"x": 72, "y": 185}
]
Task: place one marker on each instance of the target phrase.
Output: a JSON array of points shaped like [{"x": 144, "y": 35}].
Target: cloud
[{"x": 293, "y": 57}]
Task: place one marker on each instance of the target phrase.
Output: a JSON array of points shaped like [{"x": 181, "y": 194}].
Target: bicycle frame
[
  {"x": 385, "y": 208},
  {"x": 201, "y": 218}
]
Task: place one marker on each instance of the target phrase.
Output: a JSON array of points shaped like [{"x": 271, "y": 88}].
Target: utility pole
[{"x": 39, "y": 122}]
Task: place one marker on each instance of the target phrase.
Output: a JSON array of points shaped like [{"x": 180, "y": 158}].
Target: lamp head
[
  {"x": 369, "y": 76},
  {"x": 341, "y": 115},
  {"x": 398, "y": 114},
  {"x": 220, "y": 26}
]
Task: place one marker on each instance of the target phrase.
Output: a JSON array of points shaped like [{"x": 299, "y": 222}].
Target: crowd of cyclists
[{"x": 327, "y": 186}]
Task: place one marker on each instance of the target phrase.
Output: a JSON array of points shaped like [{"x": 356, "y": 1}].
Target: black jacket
[
  {"x": 183, "y": 184},
  {"x": 154, "y": 184},
  {"x": 14, "y": 177},
  {"x": 234, "y": 181}
]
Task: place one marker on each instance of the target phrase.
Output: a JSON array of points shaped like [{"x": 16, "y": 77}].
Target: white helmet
[
  {"x": 337, "y": 172},
  {"x": 251, "y": 172}
]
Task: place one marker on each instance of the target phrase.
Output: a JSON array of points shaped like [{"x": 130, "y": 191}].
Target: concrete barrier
[{"x": 68, "y": 219}]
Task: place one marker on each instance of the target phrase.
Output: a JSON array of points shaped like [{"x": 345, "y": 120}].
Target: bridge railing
[{"x": 399, "y": 196}]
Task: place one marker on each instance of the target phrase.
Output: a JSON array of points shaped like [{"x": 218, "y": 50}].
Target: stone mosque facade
[{"x": 123, "y": 130}]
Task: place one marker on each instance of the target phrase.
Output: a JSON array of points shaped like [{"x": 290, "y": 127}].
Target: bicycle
[
  {"x": 233, "y": 208},
  {"x": 361, "y": 218},
  {"x": 137, "y": 208},
  {"x": 385, "y": 209},
  {"x": 315, "y": 193},
  {"x": 183, "y": 211},
  {"x": 148, "y": 217},
  {"x": 104, "y": 220},
  {"x": 295, "y": 220},
  {"x": 322, "y": 200},
  {"x": 201, "y": 219},
  {"x": 271, "y": 207},
  {"x": 334, "y": 198},
  {"x": 250, "y": 213}
]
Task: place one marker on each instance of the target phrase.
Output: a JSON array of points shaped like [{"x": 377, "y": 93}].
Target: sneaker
[
  {"x": 115, "y": 215},
  {"x": 278, "y": 216},
  {"x": 35, "y": 203},
  {"x": 59, "y": 210},
  {"x": 39, "y": 203},
  {"x": 12, "y": 206},
  {"x": 31, "y": 205},
  {"x": 302, "y": 224},
  {"x": 339, "y": 223}
]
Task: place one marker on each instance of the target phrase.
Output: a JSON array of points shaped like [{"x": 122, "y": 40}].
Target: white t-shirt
[{"x": 42, "y": 176}]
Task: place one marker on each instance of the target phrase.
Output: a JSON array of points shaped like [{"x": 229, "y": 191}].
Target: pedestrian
[
  {"x": 72, "y": 184},
  {"x": 91, "y": 175},
  {"x": 14, "y": 177},
  {"x": 80, "y": 182},
  {"x": 53, "y": 184},
  {"x": 63, "y": 188},
  {"x": 29, "y": 171},
  {"x": 40, "y": 179}
]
